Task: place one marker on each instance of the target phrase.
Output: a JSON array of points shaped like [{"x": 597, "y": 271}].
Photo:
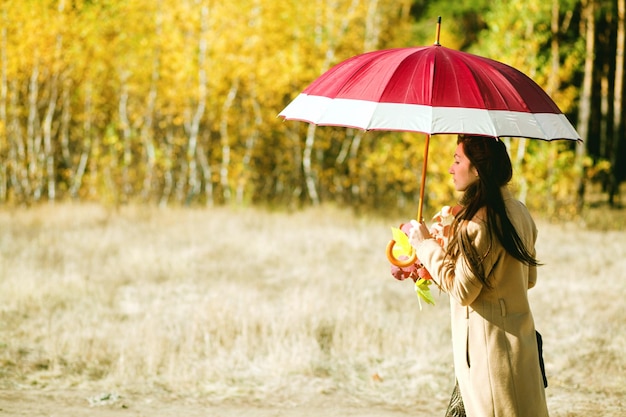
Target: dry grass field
[{"x": 223, "y": 312}]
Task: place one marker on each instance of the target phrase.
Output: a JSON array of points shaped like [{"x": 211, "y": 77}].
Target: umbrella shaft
[{"x": 423, "y": 182}]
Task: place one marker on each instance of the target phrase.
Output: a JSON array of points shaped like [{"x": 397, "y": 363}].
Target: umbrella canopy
[{"x": 433, "y": 90}]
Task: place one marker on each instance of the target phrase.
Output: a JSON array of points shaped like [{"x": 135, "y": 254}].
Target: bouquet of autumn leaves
[{"x": 404, "y": 263}]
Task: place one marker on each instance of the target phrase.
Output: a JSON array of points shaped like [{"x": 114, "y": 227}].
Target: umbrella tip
[{"x": 438, "y": 30}]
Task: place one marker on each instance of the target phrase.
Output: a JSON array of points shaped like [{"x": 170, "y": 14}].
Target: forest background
[{"x": 175, "y": 102}]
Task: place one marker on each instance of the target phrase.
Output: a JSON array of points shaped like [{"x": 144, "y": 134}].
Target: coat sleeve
[{"x": 457, "y": 279}]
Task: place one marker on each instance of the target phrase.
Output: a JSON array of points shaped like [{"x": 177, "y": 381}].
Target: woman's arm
[{"x": 457, "y": 280}]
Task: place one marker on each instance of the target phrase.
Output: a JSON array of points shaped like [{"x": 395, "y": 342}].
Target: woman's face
[{"x": 463, "y": 173}]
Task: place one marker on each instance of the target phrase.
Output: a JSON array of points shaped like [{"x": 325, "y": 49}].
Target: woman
[{"x": 487, "y": 267}]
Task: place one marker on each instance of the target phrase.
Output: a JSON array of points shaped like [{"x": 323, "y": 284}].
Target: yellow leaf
[{"x": 403, "y": 246}]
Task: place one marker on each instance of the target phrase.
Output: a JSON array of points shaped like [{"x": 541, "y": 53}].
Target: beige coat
[{"x": 493, "y": 333}]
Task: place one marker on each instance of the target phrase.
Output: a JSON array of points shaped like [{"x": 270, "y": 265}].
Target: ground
[
  {"x": 70, "y": 403},
  {"x": 138, "y": 301},
  {"x": 572, "y": 402}
]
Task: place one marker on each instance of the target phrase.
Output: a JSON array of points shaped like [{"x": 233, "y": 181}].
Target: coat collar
[{"x": 506, "y": 193}]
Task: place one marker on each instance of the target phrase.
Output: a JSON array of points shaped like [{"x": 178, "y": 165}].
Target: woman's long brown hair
[{"x": 491, "y": 159}]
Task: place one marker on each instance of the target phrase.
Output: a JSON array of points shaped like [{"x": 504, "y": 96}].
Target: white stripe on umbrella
[{"x": 368, "y": 115}]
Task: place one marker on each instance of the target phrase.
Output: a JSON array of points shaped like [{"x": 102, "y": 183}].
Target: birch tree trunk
[
  {"x": 51, "y": 109},
  {"x": 31, "y": 156},
  {"x": 309, "y": 175},
  {"x": 168, "y": 175},
  {"x": 250, "y": 144},
  {"x": 127, "y": 160},
  {"x": 194, "y": 127},
  {"x": 147, "y": 132},
  {"x": 47, "y": 136},
  {"x": 253, "y": 128},
  {"x": 66, "y": 119},
  {"x": 4, "y": 145},
  {"x": 207, "y": 172},
  {"x": 147, "y": 128},
  {"x": 618, "y": 123},
  {"x": 77, "y": 179},
  {"x": 585, "y": 99},
  {"x": 225, "y": 140},
  {"x": 17, "y": 152},
  {"x": 605, "y": 133}
]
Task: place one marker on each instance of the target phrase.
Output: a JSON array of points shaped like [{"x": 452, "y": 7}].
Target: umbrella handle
[{"x": 397, "y": 262}]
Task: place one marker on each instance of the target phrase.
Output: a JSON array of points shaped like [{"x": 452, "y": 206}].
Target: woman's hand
[{"x": 419, "y": 232}]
